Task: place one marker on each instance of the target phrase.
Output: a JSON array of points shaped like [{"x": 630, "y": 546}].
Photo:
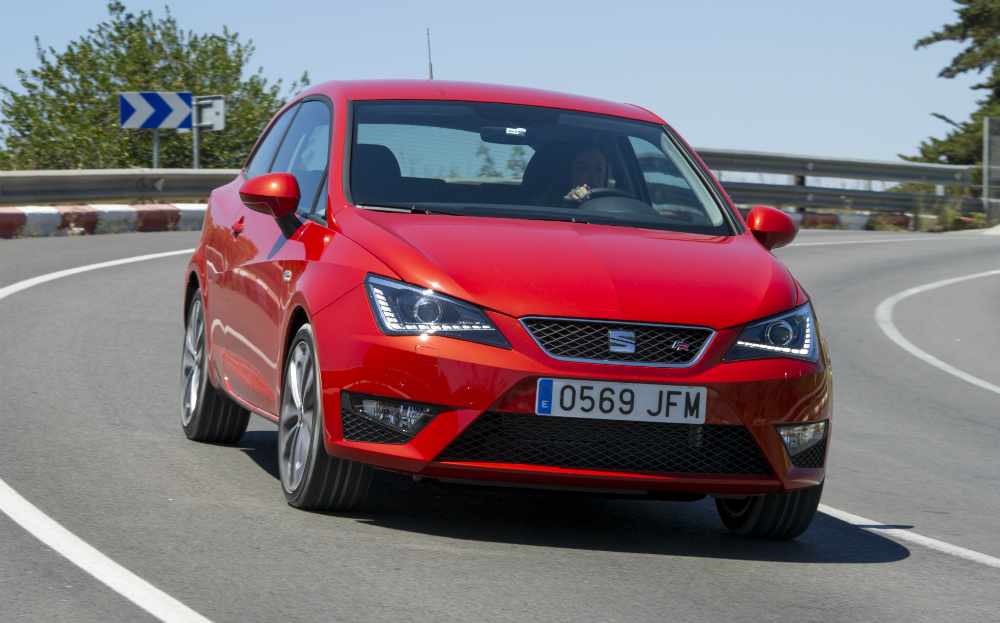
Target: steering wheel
[{"x": 599, "y": 193}]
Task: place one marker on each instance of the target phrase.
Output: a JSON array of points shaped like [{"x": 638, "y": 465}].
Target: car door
[
  {"x": 224, "y": 245},
  {"x": 258, "y": 296}
]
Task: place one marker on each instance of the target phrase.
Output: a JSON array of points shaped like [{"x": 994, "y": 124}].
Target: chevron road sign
[{"x": 153, "y": 111}]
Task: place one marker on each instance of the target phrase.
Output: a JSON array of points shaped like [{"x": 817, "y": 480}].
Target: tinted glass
[
  {"x": 261, "y": 161},
  {"x": 305, "y": 151},
  {"x": 510, "y": 161},
  {"x": 675, "y": 192}
]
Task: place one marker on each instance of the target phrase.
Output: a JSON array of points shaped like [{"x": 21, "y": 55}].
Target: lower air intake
[
  {"x": 359, "y": 428},
  {"x": 813, "y": 457},
  {"x": 607, "y": 445}
]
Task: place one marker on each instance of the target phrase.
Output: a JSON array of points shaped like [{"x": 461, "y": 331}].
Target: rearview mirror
[
  {"x": 772, "y": 228},
  {"x": 504, "y": 135},
  {"x": 276, "y": 194}
]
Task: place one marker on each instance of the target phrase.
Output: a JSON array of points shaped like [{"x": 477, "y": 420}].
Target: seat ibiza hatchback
[{"x": 493, "y": 285}]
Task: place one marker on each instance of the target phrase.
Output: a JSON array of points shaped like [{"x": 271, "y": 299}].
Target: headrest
[
  {"x": 542, "y": 167},
  {"x": 374, "y": 160}
]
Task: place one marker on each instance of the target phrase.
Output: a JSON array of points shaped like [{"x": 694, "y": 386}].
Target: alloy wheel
[
  {"x": 193, "y": 362},
  {"x": 298, "y": 414}
]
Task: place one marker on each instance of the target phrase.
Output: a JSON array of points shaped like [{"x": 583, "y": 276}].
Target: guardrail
[
  {"x": 160, "y": 185},
  {"x": 83, "y": 186},
  {"x": 802, "y": 195},
  {"x": 820, "y": 166}
]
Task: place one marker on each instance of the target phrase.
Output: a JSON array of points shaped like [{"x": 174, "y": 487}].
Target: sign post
[
  {"x": 210, "y": 116},
  {"x": 153, "y": 111}
]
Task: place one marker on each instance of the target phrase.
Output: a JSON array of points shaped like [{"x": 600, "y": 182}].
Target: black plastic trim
[{"x": 348, "y": 143}]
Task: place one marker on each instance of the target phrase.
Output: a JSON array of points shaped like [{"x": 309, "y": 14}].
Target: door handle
[{"x": 238, "y": 227}]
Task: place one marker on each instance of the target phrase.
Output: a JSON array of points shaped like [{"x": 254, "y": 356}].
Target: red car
[{"x": 494, "y": 285}]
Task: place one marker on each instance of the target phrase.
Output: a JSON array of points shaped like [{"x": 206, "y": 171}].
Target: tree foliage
[
  {"x": 978, "y": 27},
  {"x": 67, "y": 115}
]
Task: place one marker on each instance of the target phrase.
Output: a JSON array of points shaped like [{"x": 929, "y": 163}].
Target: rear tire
[
  {"x": 310, "y": 478},
  {"x": 773, "y": 516},
  {"x": 206, "y": 414}
]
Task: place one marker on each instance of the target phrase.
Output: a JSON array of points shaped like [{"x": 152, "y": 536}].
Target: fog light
[
  {"x": 406, "y": 417},
  {"x": 801, "y": 437}
]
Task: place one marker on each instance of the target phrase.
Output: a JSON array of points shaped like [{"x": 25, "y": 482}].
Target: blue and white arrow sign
[{"x": 155, "y": 110}]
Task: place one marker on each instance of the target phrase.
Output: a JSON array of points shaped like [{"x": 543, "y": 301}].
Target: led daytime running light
[
  {"x": 806, "y": 343},
  {"x": 792, "y": 334},
  {"x": 400, "y": 308},
  {"x": 396, "y": 325}
]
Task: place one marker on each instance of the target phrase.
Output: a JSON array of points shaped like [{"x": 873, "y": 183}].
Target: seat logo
[{"x": 621, "y": 341}]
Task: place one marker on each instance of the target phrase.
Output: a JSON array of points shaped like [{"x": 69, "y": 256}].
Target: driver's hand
[{"x": 578, "y": 194}]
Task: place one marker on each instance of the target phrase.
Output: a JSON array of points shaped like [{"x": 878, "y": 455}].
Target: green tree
[
  {"x": 67, "y": 115},
  {"x": 489, "y": 168},
  {"x": 517, "y": 162},
  {"x": 978, "y": 26}
]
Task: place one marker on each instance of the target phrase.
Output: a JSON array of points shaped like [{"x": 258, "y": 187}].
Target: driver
[{"x": 584, "y": 168}]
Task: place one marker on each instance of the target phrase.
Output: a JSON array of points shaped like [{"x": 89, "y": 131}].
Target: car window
[
  {"x": 305, "y": 151},
  {"x": 260, "y": 163},
  {"x": 444, "y": 153},
  {"x": 670, "y": 187},
  {"x": 525, "y": 162}
]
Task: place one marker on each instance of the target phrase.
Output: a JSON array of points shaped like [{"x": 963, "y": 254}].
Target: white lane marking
[
  {"x": 906, "y": 535},
  {"x": 915, "y": 239},
  {"x": 34, "y": 281},
  {"x": 76, "y": 550},
  {"x": 883, "y": 316},
  {"x": 79, "y": 552}
]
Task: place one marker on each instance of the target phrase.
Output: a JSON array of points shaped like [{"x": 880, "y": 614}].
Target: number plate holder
[{"x": 634, "y": 402}]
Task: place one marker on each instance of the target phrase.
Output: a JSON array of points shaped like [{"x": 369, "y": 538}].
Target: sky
[{"x": 808, "y": 77}]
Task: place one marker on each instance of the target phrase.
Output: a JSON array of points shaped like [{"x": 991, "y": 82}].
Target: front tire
[
  {"x": 311, "y": 478},
  {"x": 206, "y": 413},
  {"x": 772, "y": 516}
]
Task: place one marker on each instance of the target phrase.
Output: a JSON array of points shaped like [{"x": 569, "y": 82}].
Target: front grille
[
  {"x": 589, "y": 340},
  {"x": 607, "y": 445},
  {"x": 813, "y": 457},
  {"x": 358, "y": 428}
]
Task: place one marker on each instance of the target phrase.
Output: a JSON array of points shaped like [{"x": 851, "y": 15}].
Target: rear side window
[
  {"x": 305, "y": 151},
  {"x": 261, "y": 161}
]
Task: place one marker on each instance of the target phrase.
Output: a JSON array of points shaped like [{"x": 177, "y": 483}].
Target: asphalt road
[{"x": 89, "y": 369}]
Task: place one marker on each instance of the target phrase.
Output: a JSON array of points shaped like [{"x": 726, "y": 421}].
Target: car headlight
[
  {"x": 800, "y": 437},
  {"x": 402, "y": 309},
  {"x": 791, "y": 334}
]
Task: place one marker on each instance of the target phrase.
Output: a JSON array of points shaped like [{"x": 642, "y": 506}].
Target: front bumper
[{"x": 475, "y": 379}]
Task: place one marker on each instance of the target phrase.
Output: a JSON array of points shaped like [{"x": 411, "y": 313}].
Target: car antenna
[{"x": 430, "y": 66}]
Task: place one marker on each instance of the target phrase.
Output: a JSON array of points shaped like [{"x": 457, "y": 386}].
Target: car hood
[{"x": 575, "y": 270}]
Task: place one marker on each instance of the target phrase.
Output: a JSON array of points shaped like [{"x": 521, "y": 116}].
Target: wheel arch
[
  {"x": 296, "y": 320},
  {"x": 192, "y": 285}
]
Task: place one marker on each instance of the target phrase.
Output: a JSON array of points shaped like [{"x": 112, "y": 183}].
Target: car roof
[{"x": 479, "y": 92}]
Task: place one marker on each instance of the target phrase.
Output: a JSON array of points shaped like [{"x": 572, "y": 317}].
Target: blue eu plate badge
[{"x": 543, "y": 403}]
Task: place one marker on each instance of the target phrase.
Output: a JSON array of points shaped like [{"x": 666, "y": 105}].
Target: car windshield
[{"x": 526, "y": 162}]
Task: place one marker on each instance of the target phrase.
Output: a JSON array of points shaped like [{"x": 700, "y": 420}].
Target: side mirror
[
  {"x": 772, "y": 228},
  {"x": 276, "y": 194}
]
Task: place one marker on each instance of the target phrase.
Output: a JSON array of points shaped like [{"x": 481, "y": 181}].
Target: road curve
[{"x": 91, "y": 437}]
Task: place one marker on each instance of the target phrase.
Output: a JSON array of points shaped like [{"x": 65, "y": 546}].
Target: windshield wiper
[{"x": 409, "y": 209}]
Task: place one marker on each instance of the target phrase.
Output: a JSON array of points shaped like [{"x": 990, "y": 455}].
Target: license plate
[{"x": 621, "y": 401}]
